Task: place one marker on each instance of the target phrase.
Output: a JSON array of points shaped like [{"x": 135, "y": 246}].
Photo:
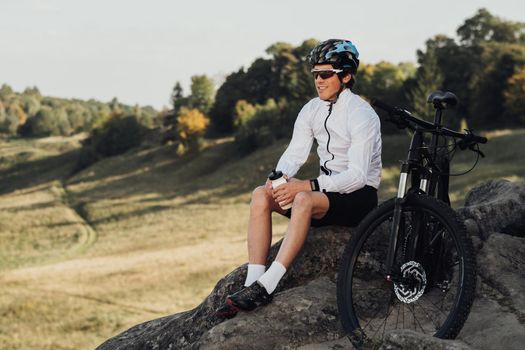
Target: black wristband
[{"x": 314, "y": 184}]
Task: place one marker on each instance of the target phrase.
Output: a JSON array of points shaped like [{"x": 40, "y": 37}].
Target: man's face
[{"x": 327, "y": 89}]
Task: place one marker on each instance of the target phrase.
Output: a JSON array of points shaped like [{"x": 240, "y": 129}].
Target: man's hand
[{"x": 285, "y": 193}]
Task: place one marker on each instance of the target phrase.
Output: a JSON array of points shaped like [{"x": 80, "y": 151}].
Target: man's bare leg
[
  {"x": 260, "y": 225},
  {"x": 306, "y": 205}
]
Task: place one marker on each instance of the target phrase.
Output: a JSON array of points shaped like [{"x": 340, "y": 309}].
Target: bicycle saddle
[{"x": 442, "y": 100}]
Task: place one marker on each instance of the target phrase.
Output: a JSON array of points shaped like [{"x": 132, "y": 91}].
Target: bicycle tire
[{"x": 362, "y": 289}]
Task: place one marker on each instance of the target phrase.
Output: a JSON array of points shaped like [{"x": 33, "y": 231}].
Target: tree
[
  {"x": 515, "y": 95},
  {"x": 244, "y": 111},
  {"x": 232, "y": 90},
  {"x": 5, "y": 92},
  {"x": 202, "y": 93},
  {"x": 177, "y": 98},
  {"x": 191, "y": 125},
  {"x": 484, "y": 27},
  {"x": 384, "y": 81},
  {"x": 500, "y": 62},
  {"x": 428, "y": 79},
  {"x": 8, "y": 122}
]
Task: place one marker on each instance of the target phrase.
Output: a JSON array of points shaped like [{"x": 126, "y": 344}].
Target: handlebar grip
[{"x": 480, "y": 139}]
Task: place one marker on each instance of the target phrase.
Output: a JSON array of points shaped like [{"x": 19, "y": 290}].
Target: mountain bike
[{"x": 410, "y": 263}]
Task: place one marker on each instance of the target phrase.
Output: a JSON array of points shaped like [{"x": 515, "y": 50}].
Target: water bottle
[{"x": 277, "y": 179}]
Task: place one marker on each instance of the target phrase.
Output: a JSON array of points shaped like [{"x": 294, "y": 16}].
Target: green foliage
[
  {"x": 202, "y": 93},
  {"x": 515, "y": 95},
  {"x": 177, "y": 98},
  {"x": 117, "y": 135},
  {"x": 484, "y": 27},
  {"x": 428, "y": 78},
  {"x": 201, "y": 96},
  {"x": 31, "y": 114},
  {"x": 8, "y": 121},
  {"x": 232, "y": 90},
  {"x": 244, "y": 111},
  {"x": 48, "y": 122},
  {"x": 284, "y": 76},
  {"x": 384, "y": 80},
  {"x": 264, "y": 124},
  {"x": 502, "y": 61}
]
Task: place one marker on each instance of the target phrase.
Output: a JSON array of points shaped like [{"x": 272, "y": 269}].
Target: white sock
[
  {"x": 254, "y": 272},
  {"x": 271, "y": 278}
]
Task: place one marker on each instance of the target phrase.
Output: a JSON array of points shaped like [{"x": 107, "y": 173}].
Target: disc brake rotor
[{"x": 414, "y": 282}]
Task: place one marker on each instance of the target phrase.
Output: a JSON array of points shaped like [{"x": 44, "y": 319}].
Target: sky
[{"x": 137, "y": 50}]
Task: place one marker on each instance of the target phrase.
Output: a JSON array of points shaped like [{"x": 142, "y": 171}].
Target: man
[{"x": 347, "y": 131}]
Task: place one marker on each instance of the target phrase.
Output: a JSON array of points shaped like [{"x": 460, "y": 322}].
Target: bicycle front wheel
[{"x": 434, "y": 274}]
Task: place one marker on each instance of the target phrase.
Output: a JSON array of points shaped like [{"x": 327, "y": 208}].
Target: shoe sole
[{"x": 228, "y": 310}]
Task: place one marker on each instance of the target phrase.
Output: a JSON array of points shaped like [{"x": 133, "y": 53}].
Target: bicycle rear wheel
[{"x": 434, "y": 267}]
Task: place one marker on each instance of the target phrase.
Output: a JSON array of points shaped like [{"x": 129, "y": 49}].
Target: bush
[
  {"x": 190, "y": 127},
  {"x": 48, "y": 122},
  {"x": 270, "y": 122},
  {"x": 117, "y": 135}
]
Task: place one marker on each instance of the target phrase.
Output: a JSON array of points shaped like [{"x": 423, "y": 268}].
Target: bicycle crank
[{"x": 412, "y": 284}]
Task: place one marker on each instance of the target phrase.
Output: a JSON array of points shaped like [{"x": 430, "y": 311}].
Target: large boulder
[
  {"x": 304, "y": 315},
  {"x": 497, "y": 206},
  {"x": 318, "y": 258},
  {"x": 501, "y": 265},
  {"x": 298, "y": 316},
  {"x": 409, "y": 340}
]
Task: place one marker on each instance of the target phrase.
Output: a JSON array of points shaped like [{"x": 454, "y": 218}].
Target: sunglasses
[{"x": 325, "y": 73}]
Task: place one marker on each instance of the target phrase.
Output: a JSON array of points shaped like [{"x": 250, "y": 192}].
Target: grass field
[{"x": 146, "y": 234}]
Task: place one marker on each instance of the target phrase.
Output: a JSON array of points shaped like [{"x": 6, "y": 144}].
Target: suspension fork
[
  {"x": 414, "y": 157},
  {"x": 394, "y": 231}
]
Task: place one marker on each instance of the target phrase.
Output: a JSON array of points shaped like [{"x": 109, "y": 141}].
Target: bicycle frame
[{"x": 426, "y": 177}]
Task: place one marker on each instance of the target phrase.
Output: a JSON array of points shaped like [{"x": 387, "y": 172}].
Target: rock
[
  {"x": 304, "y": 314},
  {"x": 497, "y": 206},
  {"x": 491, "y": 326},
  {"x": 298, "y": 316},
  {"x": 319, "y": 257},
  {"x": 339, "y": 344},
  {"x": 410, "y": 340},
  {"x": 501, "y": 265}
]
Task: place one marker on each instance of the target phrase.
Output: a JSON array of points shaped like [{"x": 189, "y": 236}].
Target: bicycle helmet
[{"x": 341, "y": 54}]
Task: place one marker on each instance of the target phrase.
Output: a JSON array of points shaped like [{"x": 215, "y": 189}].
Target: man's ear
[{"x": 347, "y": 78}]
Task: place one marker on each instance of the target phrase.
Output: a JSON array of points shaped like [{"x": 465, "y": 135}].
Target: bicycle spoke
[
  {"x": 428, "y": 315},
  {"x": 428, "y": 267},
  {"x": 437, "y": 308}
]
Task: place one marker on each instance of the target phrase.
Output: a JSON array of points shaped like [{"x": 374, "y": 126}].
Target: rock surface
[
  {"x": 318, "y": 258},
  {"x": 410, "y": 340},
  {"x": 301, "y": 315},
  {"x": 497, "y": 206},
  {"x": 304, "y": 315}
]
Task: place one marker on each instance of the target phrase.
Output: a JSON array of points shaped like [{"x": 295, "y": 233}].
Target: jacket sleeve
[
  {"x": 364, "y": 132},
  {"x": 298, "y": 150}
]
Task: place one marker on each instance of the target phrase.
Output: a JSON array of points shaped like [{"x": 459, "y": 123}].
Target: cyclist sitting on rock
[{"x": 347, "y": 131}]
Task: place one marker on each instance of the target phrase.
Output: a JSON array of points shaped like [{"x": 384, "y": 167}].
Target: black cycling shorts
[{"x": 346, "y": 209}]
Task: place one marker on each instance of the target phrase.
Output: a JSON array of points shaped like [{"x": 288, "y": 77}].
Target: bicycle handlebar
[{"x": 403, "y": 119}]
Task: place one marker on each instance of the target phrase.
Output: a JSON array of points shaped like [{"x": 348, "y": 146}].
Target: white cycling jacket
[{"x": 348, "y": 135}]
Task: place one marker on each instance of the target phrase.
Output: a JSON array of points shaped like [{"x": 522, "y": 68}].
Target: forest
[{"x": 484, "y": 65}]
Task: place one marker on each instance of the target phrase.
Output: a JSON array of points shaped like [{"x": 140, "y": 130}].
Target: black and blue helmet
[{"x": 341, "y": 54}]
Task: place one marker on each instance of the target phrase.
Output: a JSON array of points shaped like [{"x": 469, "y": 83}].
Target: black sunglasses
[{"x": 325, "y": 73}]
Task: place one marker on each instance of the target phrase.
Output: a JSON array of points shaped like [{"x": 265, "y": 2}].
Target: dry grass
[{"x": 142, "y": 235}]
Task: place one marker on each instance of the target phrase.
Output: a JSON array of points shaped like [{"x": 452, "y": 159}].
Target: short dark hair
[{"x": 351, "y": 83}]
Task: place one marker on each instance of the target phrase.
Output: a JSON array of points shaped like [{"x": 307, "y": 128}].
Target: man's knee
[
  {"x": 260, "y": 197},
  {"x": 302, "y": 201}
]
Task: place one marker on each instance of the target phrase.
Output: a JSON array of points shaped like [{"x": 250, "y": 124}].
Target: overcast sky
[{"x": 136, "y": 50}]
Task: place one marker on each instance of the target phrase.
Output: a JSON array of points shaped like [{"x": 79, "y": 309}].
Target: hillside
[{"x": 145, "y": 234}]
